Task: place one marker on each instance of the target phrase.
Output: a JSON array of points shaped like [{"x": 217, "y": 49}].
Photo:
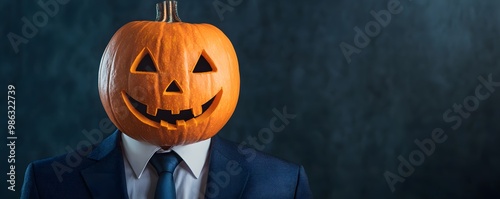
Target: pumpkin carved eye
[
  {"x": 146, "y": 64},
  {"x": 202, "y": 66}
]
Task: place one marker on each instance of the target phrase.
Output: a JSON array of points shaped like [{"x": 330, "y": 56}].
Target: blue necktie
[{"x": 165, "y": 164}]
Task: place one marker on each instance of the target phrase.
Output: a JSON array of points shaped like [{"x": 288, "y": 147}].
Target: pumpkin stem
[{"x": 166, "y": 11}]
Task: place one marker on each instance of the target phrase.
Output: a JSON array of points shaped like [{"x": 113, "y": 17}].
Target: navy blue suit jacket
[{"x": 101, "y": 175}]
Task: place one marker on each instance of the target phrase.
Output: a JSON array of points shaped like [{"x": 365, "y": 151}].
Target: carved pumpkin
[{"x": 167, "y": 82}]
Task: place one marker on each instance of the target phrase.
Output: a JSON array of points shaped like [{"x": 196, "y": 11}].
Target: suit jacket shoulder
[
  {"x": 262, "y": 175},
  {"x": 95, "y": 173}
]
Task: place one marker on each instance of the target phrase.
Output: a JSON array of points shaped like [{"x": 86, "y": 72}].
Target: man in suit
[
  {"x": 230, "y": 174},
  {"x": 169, "y": 87}
]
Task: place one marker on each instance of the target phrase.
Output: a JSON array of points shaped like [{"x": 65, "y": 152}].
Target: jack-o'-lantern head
[{"x": 167, "y": 82}]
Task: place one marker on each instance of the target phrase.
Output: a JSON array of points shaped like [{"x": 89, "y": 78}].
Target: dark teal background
[{"x": 353, "y": 120}]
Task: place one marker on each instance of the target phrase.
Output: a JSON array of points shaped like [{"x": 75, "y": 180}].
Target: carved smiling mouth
[{"x": 167, "y": 115}]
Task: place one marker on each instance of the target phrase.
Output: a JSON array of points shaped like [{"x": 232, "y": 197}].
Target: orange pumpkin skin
[{"x": 175, "y": 49}]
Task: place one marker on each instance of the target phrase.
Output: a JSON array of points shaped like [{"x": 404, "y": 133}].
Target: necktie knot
[{"x": 165, "y": 162}]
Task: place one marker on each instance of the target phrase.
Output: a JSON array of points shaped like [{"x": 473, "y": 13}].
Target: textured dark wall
[{"x": 353, "y": 119}]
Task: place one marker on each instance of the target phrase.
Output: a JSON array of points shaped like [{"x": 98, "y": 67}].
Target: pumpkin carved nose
[{"x": 173, "y": 87}]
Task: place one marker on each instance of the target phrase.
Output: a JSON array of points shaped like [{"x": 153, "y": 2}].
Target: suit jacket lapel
[
  {"x": 106, "y": 177},
  {"x": 226, "y": 177}
]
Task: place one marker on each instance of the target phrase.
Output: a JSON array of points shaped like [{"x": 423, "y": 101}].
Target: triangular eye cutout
[
  {"x": 146, "y": 64},
  {"x": 202, "y": 65}
]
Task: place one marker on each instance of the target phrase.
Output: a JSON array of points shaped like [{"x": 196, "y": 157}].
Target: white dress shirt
[{"x": 190, "y": 176}]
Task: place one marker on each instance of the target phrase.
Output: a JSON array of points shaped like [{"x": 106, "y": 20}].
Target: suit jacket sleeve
[
  {"x": 303, "y": 191},
  {"x": 29, "y": 190}
]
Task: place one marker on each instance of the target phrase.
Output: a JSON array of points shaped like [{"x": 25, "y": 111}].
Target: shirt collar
[{"x": 138, "y": 154}]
